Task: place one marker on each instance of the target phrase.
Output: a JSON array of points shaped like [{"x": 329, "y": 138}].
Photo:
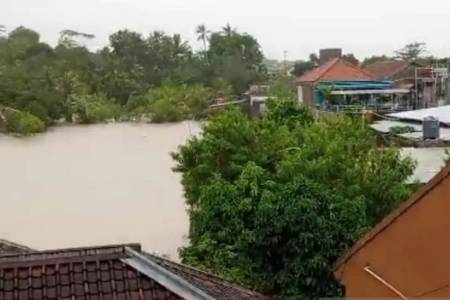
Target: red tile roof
[
  {"x": 335, "y": 69},
  {"x": 386, "y": 69},
  {"x": 392, "y": 217},
  {"x": 120, "y": 272}
]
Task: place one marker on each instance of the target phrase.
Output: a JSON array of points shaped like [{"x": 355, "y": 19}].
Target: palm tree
[
  {"x": 228, "y": 30},
  {"x": 202, "y": 34}
]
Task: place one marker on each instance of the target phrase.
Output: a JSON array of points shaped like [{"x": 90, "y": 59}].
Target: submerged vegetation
[{"x": 158, "y": 76}]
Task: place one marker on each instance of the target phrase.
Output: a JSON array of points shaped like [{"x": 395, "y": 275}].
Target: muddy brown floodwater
[{"x": 93, "y": 185}]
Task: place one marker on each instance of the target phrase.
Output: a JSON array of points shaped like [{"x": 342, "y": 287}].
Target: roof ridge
[
  {"x": 66, "y": 253},
  {"x": 165, "y": 277},
  {"x": 16, "y": 245},
  {"x": 332, "y": 62},
  {"x": 209, "y": 274},
  {"x": 356, "y": 67},
  {"x": 393, "y": 216}
]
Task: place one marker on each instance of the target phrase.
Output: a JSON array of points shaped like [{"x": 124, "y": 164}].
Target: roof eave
[
  {"x": 387, "y": 221},
  {"x": 168, "y": 279}
]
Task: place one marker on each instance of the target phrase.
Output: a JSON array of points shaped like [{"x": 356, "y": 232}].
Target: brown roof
[
  {"x": 392, "y": 217},
  {"x": 386, "y": 69},
  {"x": 211, "y": 284},
  {"x": 119, "y": 272},
  {"x": 7, "y": 247},
  {"x": 336, "y": 69}
]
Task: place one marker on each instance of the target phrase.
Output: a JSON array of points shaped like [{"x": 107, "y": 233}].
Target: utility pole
[{"x": 285, "y": 60}]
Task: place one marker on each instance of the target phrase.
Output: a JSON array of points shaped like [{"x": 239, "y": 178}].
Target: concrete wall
[
  {"x": 412, "y": 254},
  {"x": 328, "y": 54},
  {"x": 308, "y": 93}
]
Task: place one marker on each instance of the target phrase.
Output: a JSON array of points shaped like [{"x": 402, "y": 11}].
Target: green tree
[
  {"x": 412, "y": 51},
  {"x": 301, "y": 67},
  {"x": 20, "y": 40},
  {"x": 236, "y": 57},
  {"x": 68, "y": 37},
  {"x": 94, "y": 109},
  {"x": 22, "y": 122},
  {"x": 228, "y": 30},
  {"x": 273, "y": 202},
  {"x": 202, "y": 35},
  {"x": 350, "y": 57},
  {"x": 375, "y": 59}
]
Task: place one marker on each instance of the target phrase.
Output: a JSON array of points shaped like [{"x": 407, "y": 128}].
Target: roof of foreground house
[
  {"x": 386, "y": 69},
  {"x": 335, "y": 69},
  {"x": 392, "y": 217},
  {"x": 119, "y": 272}
]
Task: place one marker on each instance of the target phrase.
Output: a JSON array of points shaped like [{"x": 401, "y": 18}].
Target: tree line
[{"x": 157, "y": 75}]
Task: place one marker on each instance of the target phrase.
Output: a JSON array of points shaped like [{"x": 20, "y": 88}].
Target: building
[
  {"x": 406, "y": 255},
  {"x": 7, "y": 247},
  {"x": 335, "y": 69},
  {"x": 428, "y": 85},
  {"x": 413, "y": 122},
  {"x": 121, "y": 272},
  {"x": 395, "y": 70}
]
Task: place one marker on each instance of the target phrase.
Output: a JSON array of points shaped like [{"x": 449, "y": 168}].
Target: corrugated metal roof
[
  {"x": 441, "y": 112},
  {"x": 429, "y": 162},
  {"x": 384, "y": 126},
  {"x": 335, "y": 69}
]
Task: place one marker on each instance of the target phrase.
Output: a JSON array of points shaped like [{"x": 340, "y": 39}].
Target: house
[
  {"x": 335, "y": 69},
  {"x": 406, "y": 255},
  {"x": 428, "y": 84},
  {"x": 117, "y": 272},
  {"x": 395, "y": 70}
]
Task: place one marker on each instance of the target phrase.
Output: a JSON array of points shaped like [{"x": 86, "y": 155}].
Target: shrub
[
  {"x": 23, "y": 123},
  {"x": 94, "y": 109},
  {"x": 172, "y": 102}
]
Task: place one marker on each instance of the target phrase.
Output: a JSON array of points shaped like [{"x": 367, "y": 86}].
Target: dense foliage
[
  {"x": 21, "y": 122},
  {"x": 274, "y": 202},
  {"x": 70, "y": 82}
]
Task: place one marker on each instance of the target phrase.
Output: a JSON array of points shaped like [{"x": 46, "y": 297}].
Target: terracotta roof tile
[
  {"x": 336, "y": 69},
  {"x": 103, "y": 273},
  {"x": 386, "y": 69}
]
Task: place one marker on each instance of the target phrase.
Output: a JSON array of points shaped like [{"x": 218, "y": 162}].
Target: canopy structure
[
  {"x": 442, "y": 113},
  {"x": 368, "y": 94},
  {"x": 372, "y": 92}
]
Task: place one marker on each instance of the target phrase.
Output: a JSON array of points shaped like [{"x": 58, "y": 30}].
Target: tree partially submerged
[{"x": 273, "y": 202}]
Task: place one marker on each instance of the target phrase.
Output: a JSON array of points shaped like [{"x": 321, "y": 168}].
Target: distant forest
[{"x": 157, "y": 75}]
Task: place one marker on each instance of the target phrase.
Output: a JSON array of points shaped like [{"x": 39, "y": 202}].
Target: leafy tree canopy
[
  {"x": 412, "y": 51},
  {"x": 274, "y": 202},
  {"x": 49, "y": 82}
]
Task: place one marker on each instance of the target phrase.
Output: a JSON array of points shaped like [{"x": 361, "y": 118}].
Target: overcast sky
[{"x": 298, "y": 26}]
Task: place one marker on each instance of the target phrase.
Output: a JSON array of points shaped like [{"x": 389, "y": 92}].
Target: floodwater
[{"x": 94, "y": 185}]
